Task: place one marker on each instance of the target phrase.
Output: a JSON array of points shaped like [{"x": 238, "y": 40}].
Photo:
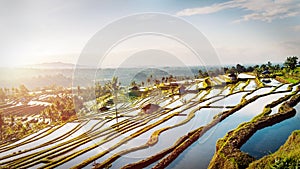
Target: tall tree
[
  {"x": 148, "y": 81},
  {"x": 200, "y": 73},
  {"x": 78, "y": 90},
  {"x": 269, "y": 64},
  {"x": 291, "y": 62},
  {"x": 114, "y": 91},
  {"x": 233, "y": 70},
  {"x": 6, "y": 91},
  {"x": 240, "y": 68},
  {"x": 226, "y": 70},
  {"x": 276, "y": 67},
  {"x": 257, "y": 70},
  {"x": 1, "y": 124},
  {"x": 2, "y": 95},
  {"x": 133, "y": 83},
  {"x": 263, "y": 67},
  {"x": 250, "y": 69}
]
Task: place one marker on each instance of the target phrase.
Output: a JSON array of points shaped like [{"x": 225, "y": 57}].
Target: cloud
[
  {"x": 208, "y": 9},
  {"x": 263, "y": 10}
]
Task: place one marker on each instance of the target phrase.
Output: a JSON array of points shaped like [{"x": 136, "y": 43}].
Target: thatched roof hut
[
  {"x": 266, "y": 72},
  {"x": 103, "y": 109},
  {"x": 150, "y": 108}
]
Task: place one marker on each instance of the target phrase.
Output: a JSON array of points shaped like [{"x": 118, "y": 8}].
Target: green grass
[
  {"x": 291, "y": 77},
  {"x": 290, "y": 80}
]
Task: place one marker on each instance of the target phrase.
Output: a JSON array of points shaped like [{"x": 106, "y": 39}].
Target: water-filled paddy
[
  {"x": 269, "y": 139},
  {"x": 199, "y": 154},
  {"x": 57, "y": 133}
]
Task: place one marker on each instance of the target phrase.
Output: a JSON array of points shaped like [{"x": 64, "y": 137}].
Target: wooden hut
[
  {"x": 150, "y": 108},
  {"x": 232, "y": 77}
]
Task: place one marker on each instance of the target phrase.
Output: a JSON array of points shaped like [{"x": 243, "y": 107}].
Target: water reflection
[
  {"x": 199, "y": 154},
  {"x": 269, "y": 139}
]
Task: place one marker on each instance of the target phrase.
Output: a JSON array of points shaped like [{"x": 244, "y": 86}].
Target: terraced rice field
[{"x": 181, "y": 133}]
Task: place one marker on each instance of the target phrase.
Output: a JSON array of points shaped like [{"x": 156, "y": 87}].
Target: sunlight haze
[{"x": 240, "y": 31}]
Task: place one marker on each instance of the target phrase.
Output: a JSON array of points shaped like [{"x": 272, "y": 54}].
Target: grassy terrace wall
[
  {"x": 185, "y": 141},
  {"x": 259, "y": 83},
  {"x": 228, "y": 154},
  {"x": 153, "y": 140},
  {"x": 55, "y": 156},
  {"x": 200, "y": 131},
  {"x": 49, "y": 154},
  {"x": 62, "y": 148},
  {"x": 279, "y": 79}
]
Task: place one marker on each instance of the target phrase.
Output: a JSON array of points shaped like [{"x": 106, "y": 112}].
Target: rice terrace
[
  {"x": 132, "y": 84},
  {"x": 158, "y": 123}
]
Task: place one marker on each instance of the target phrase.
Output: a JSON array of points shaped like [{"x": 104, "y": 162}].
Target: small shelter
[
  {"x": 168, "y": 86},
  {"x": 150, "y": 108},
  {"x": 232, "y": 78},
  {"x": 103, "y": 109},
  {"x": 266, "y": 72},
  {"x": 134, "y": 88}
]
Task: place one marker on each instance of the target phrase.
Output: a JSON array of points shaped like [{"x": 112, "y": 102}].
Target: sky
[{"x": 240, "y": 31}]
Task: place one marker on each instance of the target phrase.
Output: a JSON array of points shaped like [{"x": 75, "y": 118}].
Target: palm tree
[
  {"x": 113, "y": 87},
  {"x": 166, "y": 79},
  {"x": 270, "y": 66},
  {"x": 1, "y": 124},
  {"x": 6, "y": 91},
  {"x": 148, "y": 81},
  {"x": 2, "y": 95},
  {"x": 133, "y": 83},
  {"x": 78, "y": 90},
  {"x": 200, "y": 73},
  {"x": 277, "y": 67},
  {"x": 257, "y": 70}
]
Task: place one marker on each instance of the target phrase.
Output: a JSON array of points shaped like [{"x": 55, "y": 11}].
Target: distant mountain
[{"x": 53, "y": 65}]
